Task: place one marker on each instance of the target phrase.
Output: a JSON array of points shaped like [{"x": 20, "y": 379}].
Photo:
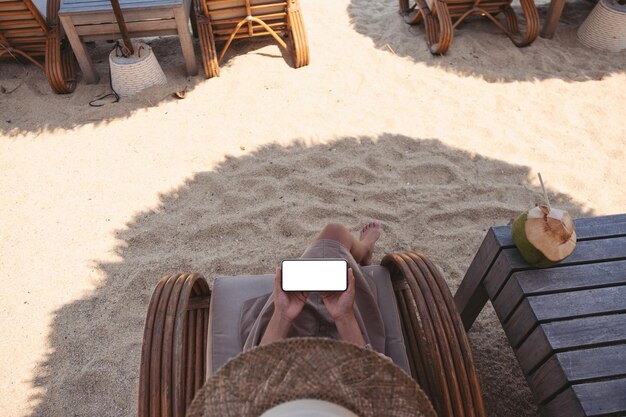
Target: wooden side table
[
  {"x": 93, "y": 20},
  {"x": 567, "y": 323}
]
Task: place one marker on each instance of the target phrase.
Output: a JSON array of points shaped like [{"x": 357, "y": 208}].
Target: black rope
[{"x": 113, "y": 94}]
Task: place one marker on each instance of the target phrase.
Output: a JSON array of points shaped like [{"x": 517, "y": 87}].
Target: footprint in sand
[{"x": 429, "y": 174}]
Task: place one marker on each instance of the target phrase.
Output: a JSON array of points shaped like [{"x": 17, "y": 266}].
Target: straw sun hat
[{"x": 327, "y": 377}]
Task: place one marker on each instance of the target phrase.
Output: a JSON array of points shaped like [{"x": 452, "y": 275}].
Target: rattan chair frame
[
  {"x": 25, "y": 33},
  {"x": 173, "y": 357},
  {"x": 441, "y": 17},
  {"x": 253, "y": 18}
]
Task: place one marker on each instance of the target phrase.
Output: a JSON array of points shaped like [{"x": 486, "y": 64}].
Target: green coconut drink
[{"x": 544, "y": 235}]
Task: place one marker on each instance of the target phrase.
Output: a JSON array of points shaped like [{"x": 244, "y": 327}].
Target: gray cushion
[{"x": 229, "y": 293}]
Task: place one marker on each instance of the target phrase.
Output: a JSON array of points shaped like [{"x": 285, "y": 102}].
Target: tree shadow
[
  {"x": 251, "y": 211},
  {"x": 479, "y": 49},
  {"x": 33, "y": 94},
  {"x": 27, "y": 104}
]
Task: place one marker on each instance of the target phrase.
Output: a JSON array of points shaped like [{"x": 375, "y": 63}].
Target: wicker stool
[
  {"x": 605, "y": 27},
  {"x": 138, "y": 71}
]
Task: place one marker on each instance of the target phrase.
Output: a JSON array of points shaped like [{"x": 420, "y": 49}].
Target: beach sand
[{"x": 99, "y": 203}]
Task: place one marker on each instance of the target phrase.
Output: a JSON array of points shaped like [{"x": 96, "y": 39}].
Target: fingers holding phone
[
  {"x": 339, "y": 304},
  {"x": 287, "y": 304},
  {"x": 329, "y": 276},
  {"x": 316, "y": 274}
]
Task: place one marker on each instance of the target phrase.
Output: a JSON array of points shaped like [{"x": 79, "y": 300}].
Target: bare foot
[{"x": 370, "y": 233}]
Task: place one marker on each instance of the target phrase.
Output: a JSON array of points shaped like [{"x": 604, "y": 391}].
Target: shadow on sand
[
  {"x": 479, "y": 49},
  {"x": 250, "y": 212},
  {"x": 40, "y": 110}
]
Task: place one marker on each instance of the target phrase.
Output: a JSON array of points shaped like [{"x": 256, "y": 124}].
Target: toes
[{"x": 370, "y": 225}]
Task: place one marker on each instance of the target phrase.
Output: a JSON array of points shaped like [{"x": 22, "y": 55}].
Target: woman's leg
[{"x": 361, "y": 249}]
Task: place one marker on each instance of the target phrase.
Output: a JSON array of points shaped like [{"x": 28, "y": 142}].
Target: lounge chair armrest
[
  {"x": 437, "y": 345},
  {"x": 173, "y": 355}
]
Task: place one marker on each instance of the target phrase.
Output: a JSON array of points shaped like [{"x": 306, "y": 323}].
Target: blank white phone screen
[{"x": 314, "y": 275}]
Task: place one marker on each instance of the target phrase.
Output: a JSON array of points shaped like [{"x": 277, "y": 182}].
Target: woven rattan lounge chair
[
  {"x": 222, "y": 21},
  {"x": 24, "y": 33},
  {"x": 441, "y": 17},
  {"x": 191, "y": 331}
]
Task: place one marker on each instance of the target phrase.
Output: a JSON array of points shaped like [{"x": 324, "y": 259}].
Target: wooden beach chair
[
  {"x": 441, "y": 17},
  {"x": 24, "y": 33},
  {"x": 222, "y": 21},
  {"x": 191, "y": 331}
]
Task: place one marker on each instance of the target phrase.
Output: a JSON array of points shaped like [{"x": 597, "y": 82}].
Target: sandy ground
[{"x": 98, "y": 203}]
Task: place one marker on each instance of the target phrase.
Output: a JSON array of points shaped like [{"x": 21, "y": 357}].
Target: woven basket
[
  {"x": 138, "y": 71},
  {"x": 605, "y": 27}
]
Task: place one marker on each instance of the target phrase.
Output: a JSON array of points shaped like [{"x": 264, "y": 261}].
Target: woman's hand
[
  {"x": 340, "y": 304},
  {"x": 287, "y": 304}
]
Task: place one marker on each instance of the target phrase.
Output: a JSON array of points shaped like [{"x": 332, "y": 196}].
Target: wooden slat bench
[
  {"x": 93, "y": 20},
  {"x": 567, "y": 323}
]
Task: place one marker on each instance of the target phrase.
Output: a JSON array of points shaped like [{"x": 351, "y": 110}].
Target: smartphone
[{"x": 324, "y": 274}]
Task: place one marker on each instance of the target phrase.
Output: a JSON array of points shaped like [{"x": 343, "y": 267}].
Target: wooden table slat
[
  {"x": 510, "y": 260},
  {"x": 601, "y": 362},
  {"x": 133, "y": 28},
  {"x": 579, "y": 303},
  {"x": 106, "y": 5},
  {"x": 537, "y": 281},
  {"x": 137, "y": 8},
  {"x": 566, "y": 404},
  {"x": 575, "y": 367},
  {"x": 595, "y": 399},
  {"x": 131, "y": 15},
  {"x": 134, "y": 34},
  {"x": 577, "y": 333},
  {"x": 563, "y": 305},
  {"x": 602, "y": 398}
]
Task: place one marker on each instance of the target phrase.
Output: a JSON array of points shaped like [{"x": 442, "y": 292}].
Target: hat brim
[{"x": 310, "y": 368}]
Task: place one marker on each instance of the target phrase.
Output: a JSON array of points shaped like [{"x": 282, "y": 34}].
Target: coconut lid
[{"x": 551, "y": 231}]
